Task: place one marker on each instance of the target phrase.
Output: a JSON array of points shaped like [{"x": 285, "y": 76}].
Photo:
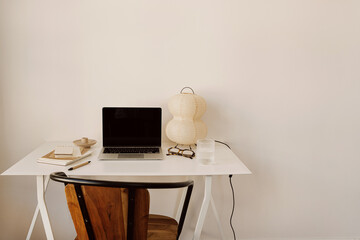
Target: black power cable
[
  {"x": 223, "y": 143},
  {"x": 233, "y": 207},
  {"x": 233, "y": 195}
]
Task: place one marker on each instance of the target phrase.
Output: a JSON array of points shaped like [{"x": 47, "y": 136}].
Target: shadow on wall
[{"x": 2, "y": 120}]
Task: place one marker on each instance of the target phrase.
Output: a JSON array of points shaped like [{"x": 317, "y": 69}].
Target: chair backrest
[
  {"x": 106, "y": 212},
  {"x": 113, "y": 210}
]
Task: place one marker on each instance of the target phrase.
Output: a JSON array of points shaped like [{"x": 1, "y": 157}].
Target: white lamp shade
[{"x": 186, "y": 127}]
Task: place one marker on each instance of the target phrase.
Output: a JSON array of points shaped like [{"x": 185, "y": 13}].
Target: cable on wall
[
  {"x": 233, "y": 195},
  {"x": 233, "y": 206},
  {"x": 223, "y": 143}
]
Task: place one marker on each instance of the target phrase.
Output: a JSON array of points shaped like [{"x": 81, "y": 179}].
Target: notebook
[
  {"x": 131, "y": 133},
  {"x": 78, "y": 153}
]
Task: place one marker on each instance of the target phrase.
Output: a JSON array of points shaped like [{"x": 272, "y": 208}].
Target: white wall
[{"x": 281, "y": 79}]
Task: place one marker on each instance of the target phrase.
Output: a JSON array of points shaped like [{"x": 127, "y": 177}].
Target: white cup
[{"x": 205, "y": 151}]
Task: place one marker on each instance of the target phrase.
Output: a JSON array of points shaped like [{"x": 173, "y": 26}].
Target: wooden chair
[{"x": 119, "y": 210}]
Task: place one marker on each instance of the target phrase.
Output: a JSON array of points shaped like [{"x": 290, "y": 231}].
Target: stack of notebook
[{"x": 65, "y": 159}]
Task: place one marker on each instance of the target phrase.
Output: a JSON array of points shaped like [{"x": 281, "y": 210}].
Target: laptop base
[{"x": 131, "y": 156}]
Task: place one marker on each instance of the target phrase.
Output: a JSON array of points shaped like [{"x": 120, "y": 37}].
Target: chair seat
[{"x": 161, "y": 227}]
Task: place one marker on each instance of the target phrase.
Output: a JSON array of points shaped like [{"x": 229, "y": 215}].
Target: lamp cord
[
  {"x": 233, "y": 195},
  {"x": 233, "y": 206},
  {"x": 223, "y": 143}
]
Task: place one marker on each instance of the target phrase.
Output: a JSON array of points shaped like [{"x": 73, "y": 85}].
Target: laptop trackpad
[{"x": 130, "y": 155}]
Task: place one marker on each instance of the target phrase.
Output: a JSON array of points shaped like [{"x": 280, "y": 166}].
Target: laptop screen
[{"x": 131, "y": 126}]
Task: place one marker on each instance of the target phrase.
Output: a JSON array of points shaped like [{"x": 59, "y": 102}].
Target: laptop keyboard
[{"x": 131, "y": 150}]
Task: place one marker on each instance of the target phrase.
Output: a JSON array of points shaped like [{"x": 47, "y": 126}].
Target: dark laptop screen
[{"x": 131, "y": 127}]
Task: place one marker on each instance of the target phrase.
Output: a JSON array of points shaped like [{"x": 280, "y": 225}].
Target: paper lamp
[{"x": 186, "y": 127}]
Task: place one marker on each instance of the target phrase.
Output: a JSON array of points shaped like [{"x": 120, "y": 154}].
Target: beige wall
[{"x": 281, "y": 79}]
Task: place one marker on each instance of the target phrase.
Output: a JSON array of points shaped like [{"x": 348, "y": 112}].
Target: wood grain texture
[
  {"x": 108, "y": 212},
  {"x": 141, "y": 214},
  {"x": 75, "y": 212},
  {"x": 105, "y": 208},
  {"x": 162, "y": 227}
]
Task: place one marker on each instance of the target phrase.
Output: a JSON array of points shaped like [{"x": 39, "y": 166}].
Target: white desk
[{"x": 226, "y": 163}]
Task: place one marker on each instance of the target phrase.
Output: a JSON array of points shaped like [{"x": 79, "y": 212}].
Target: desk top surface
[{"x": 226, "y": 162}]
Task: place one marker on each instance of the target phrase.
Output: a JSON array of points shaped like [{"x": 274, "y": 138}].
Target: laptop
[{"x": 131, "y": 133}]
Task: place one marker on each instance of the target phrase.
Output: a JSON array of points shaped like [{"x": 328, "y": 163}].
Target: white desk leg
[
  {"x": 180, "y": 205},
  {"x": 204, "y": 208},
  {"x": 36, "y": 213},
  {"x": 217, "y": 218},
  {"x": 42, "y": 207},
  {"x": 181, "y": 200}
]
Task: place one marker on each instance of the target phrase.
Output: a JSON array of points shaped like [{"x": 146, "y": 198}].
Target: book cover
[{"x": 79, "y": 153}]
